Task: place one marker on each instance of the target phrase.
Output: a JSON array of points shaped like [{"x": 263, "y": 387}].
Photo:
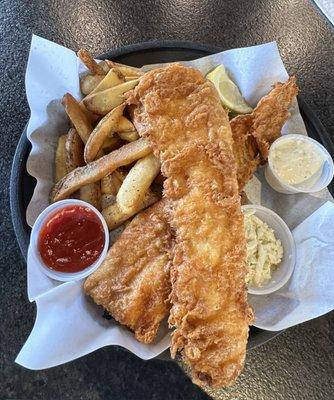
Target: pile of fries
[{"x": 101, "y": 159}]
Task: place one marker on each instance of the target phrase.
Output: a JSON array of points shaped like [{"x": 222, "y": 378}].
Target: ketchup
[{"x": 71, "y": 239}]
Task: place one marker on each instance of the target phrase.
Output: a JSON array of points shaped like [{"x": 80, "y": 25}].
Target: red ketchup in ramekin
[{"x": 71, "y": 239}]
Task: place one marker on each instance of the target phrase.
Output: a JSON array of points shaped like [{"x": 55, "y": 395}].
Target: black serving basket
[{"x": 22, "y": 184}]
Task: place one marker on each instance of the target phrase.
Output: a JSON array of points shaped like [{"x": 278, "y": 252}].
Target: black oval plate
[{"x": 22, "y": 184}]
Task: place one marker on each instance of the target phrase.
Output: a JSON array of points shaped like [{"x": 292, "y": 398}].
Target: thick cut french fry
[
  {"x": 106, "y": 185},
  {"x": 98, "y": 169},
  {"x": 94, "y": 67},
  {"x": 128, "y": 136},
  {"x": 105, "y": 66},
  {"x": 110, "y": 80},
  {"x": 103, "y": 102},
  {"x": 130, "y": 78},
  {"x": 115, "y": 217},
  {"x": 91, "y": 193},
  {"x": 77, "y": 116},
  {"x": 92, "y": 118},
  {"x": 126, "y": 70},
  {"x": 137, "y": 182},
  {"x": 111, "y": 183},
  {"x": 74, "y": 150},
  {"x": 124, "y": 125},
  {"x": 107, "y": 200},
  {"x": 89, "y": 82},
  {"x": 126, "y": 130},
  {"x": 113, "y": 78},
  {"x": 61, "y": 168},
  {"x": 104, "y": 129}
]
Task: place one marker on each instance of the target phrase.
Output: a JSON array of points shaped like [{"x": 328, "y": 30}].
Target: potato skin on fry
[
  {"x": 91, "y": 193},
  {"x": 103, "y": 129},
  {"x": 61, "y": 168},
  {"x": 137, "y": 182},
  {"x": 99, "y": 168},
  {"x": 77, "y": 116},
  {"x": 91, "y": 64},
  {"x": 107, "y": 200},
  {"x": 74, "y": 150}
]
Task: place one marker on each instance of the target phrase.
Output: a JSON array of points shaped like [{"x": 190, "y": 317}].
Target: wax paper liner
[{"x": 68, "y": 324}]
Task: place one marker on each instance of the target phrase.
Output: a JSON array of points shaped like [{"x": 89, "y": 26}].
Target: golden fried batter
[
  {"x": 209, "y": 308},
  {"x": 254, "y": 133},
  {"x": 245, "y": 148},
  {"x": 133, "y": 282},
  {"x": 180, "y": 113},
  {"x": 271, "y": 113}
]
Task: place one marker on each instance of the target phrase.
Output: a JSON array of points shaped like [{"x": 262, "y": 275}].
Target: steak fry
[{"x": 98, "y": 169}]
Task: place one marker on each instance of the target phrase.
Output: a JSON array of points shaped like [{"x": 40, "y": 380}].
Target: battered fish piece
[
  {"x": 133, "y": 282},
  {"x": 271, "y": 113},
  {"x": 125, "y": 306},
  {"x": 254, "y": 133},
  {"x": 245, "y": 148},
  {"x": 180, "y": 113}
]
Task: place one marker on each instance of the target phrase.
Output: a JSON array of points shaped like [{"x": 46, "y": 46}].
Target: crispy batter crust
[
  {"x": 254, "y": 133},
  {"x": 244, "y": 148},
  {"x": 188, "y": 129},
  {"x": 133, "y": 282},
  {"x": 271, "y": 113}
]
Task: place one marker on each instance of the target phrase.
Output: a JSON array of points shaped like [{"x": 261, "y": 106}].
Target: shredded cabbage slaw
[{"x": 264, "y": 251}]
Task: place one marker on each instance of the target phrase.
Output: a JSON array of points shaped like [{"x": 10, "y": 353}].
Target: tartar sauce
[
  {"x": 264, "y": 251},
  {"x": 296, "y": 160}
]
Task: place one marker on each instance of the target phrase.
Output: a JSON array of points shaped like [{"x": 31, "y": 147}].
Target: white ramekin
[
  {"x": 33, "y": 246},
  {"x": 282, "y": 272},
  {"x": 319, "y": 182}
]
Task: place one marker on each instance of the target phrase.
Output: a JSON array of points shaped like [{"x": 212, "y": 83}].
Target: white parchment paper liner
[{"x": 68, "y": 324}]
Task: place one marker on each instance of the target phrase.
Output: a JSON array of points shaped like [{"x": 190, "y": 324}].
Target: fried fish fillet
[
  {"x": 180, "y": 113},
  {"x": 133, "y": 283},
  {"x": 254, "y": 133},
  {"x": 245, "y": 148},
  {"x": 271, "y": 113},
  {"x": 125, "y": 306}
]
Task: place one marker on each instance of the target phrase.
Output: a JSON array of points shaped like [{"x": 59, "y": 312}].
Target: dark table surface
[{"x": 299, "y": 364}]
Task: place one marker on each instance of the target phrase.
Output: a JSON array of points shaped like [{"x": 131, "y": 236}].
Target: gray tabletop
[{"x": 299, "y": 364}]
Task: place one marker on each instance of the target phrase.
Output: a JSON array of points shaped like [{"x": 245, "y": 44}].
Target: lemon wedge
[{"x": 228, "y": 91}]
